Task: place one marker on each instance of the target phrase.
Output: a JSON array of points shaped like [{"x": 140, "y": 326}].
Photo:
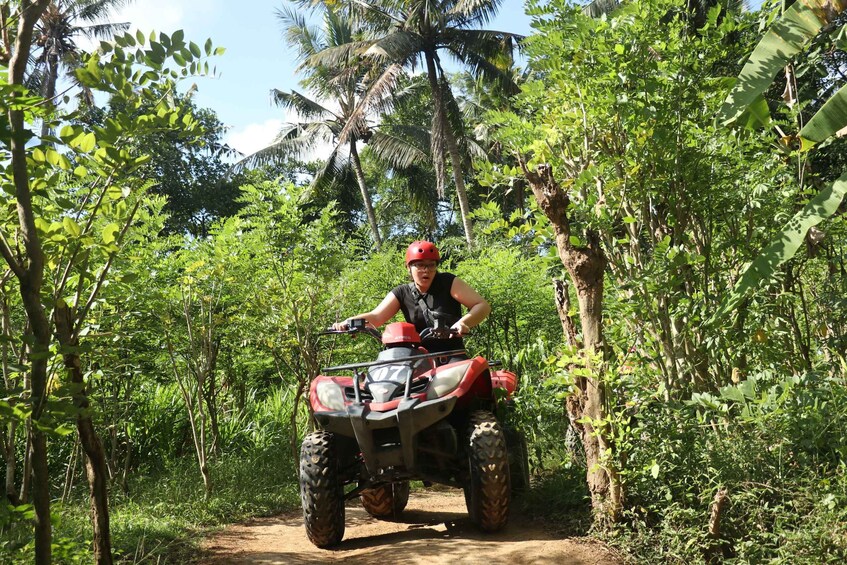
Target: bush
[{"x": 777, "y": 447}]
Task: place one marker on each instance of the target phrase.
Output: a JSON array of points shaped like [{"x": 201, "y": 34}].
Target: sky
[{"x": 256, "y": 58}]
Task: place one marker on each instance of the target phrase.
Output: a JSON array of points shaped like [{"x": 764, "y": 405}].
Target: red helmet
[
  {"x": 422, "y": 251},
  {"x": 400, "y": 332}
]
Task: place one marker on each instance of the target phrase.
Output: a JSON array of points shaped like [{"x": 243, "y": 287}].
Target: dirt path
[{"x": 433, "y": 529}]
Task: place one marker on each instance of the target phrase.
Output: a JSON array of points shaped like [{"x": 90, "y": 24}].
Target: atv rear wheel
[
  {"x": 487, "y": 493},
  {"x": 321, "y": 492},
  {"x": 386, "y": 501},
  {"x": 518, "y": 459}
]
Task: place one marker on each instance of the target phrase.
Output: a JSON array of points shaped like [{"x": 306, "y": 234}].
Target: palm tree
[
  {"x": 476, "y": 98},
  {"x": 411, "y": 31},
  {"x": 346, "y": 96},
  {"x": 56, "y": 33}
]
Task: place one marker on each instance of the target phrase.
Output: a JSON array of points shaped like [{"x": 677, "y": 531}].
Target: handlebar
[
  {"x": 360, "y": 326},
  {"x": 441, "y": 332},
  {"x": 368, "y": 331}
]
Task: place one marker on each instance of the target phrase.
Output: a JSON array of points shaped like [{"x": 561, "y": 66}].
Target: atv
[{"x": 409, "y": 415}]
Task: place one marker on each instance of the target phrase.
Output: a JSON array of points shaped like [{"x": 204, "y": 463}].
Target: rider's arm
[
  {"x": 376, "y": 317},
  {"x": 478, "y": 307}
]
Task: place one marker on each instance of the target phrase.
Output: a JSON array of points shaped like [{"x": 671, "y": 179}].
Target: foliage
[
  {"x": 190, "y": 173},
  {"x": 623, "y": 107},
  {"x": 772, "y": 442},
  {"x": 522, "y": 291}
]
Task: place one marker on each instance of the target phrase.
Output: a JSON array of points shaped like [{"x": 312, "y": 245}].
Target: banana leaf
[
  {"x": 830, "y": 119},
  {"x": 785, "y": 244},
  {"x": 788, "y": 36}
]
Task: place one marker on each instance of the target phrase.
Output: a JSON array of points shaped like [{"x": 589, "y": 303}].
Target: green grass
[{"x": 165, "y": 516}]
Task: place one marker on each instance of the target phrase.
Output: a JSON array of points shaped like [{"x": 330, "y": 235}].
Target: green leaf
[
  {"x": 87, "y": 143},
  {"x": 732, "y": 393},
  {"x": 52, "y": 156},
  {"x": 114, "y": 192},
  {"x": 71, "y": 226},
  {"x": 757, "y": 114},
  {"x": 208, "y": 46},
  {"x": 110, "y": 233},
  {"x": 195, "y": 49},
  {"x": 829, "y": 120},
  {"x": 786, "y": 243},
  {"x": 42, "y": 225},
  {"x": 788, "y": 36},
  {"x": 654, "y": 470}
]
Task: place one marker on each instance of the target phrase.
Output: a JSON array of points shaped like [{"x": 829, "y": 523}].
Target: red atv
[{"x": 408, "y": 415}]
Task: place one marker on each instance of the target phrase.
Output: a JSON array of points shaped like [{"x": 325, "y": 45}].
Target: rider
[{"x": 443, "y": 294}]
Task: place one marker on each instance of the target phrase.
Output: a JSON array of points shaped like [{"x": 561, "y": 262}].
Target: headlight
[
  {"x": 330, "y": 395},
  {"x": 446, "y": 381}
]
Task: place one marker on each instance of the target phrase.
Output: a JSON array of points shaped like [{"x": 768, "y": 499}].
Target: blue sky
[{"x": 256, "y": 58}]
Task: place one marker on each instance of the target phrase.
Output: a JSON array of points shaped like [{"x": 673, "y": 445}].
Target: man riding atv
[{"x": 423, "y": 410}]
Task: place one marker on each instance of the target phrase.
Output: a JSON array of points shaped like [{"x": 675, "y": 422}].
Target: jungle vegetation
[{"x": 650, "y": 193}]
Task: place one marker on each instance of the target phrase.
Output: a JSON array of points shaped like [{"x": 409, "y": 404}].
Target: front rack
[
  {"x": 405, "y": 360},
  {"x": 354, "y": 366}
]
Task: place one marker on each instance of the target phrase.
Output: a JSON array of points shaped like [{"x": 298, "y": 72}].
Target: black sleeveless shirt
[{"x": 438, "y": 299}]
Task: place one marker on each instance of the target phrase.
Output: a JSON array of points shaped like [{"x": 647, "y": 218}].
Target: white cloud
[
  {"x": 169, "y": 15},
  {"x": 161, "y": 16},
  {"x": 253, "y": 137}
]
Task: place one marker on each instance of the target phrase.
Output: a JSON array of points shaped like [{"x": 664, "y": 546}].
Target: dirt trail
[{"x": 433, "y": 529}]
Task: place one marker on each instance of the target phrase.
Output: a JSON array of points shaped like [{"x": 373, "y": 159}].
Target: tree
[
  {"x": 356, "y": 88},
  {"x": 792, "y": 33},
  {"x": 190, "y": 173},
  {"x": 199, "y": 299},
  {"x": 296, "y": 259},
  {"x": 56, "y": 33},
  {"x": 615, "y": 136},
  {"x": 70, "y": 226},
  {"x": 416, "y": 29}
]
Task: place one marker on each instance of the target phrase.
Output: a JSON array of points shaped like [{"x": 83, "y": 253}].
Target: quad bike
[{"x": 409, "y": 415}]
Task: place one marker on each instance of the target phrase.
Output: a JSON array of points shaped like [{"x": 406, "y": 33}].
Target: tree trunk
[
  {"x": 443, "y": 132},
  {"x": 459, "y": 180},
  {"x": 563, "y": 307},
  {"x": 586, "y": 267},
  {"x": 50, "y": 86},
  {"x": 366, "y": 196},
  {"x": 195, "y": 419},
  {"x": 11, "y": 463},
  {"x": 295, "y": 435},
  {"x": 95, "y": 456},
  {"x": 30, "y": 276},
  {"x": 11, "y": 429},
  {"x": 26, "y": 468}
]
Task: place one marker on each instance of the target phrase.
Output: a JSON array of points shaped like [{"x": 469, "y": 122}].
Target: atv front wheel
[
  {"x": 321, "y": 492},
  {"x": 487, "y": 493},
  {"x": 386, "y": 501}
]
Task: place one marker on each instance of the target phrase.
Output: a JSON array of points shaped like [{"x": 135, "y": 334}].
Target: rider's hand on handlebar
[
  {"x": 460, "y": 328},
  {"x": 341, "y": 326}
]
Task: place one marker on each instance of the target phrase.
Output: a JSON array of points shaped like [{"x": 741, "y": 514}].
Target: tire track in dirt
[{"x": 434, "y": 528}]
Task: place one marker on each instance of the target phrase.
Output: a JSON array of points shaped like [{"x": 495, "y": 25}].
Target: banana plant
[{"x": 789, "y": 36}]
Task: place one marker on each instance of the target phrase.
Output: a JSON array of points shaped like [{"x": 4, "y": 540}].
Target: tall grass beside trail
[{"x": 164, "y": 515}]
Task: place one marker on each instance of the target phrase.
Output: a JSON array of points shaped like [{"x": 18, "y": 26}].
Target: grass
[{"x": 165, "y": 515}]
